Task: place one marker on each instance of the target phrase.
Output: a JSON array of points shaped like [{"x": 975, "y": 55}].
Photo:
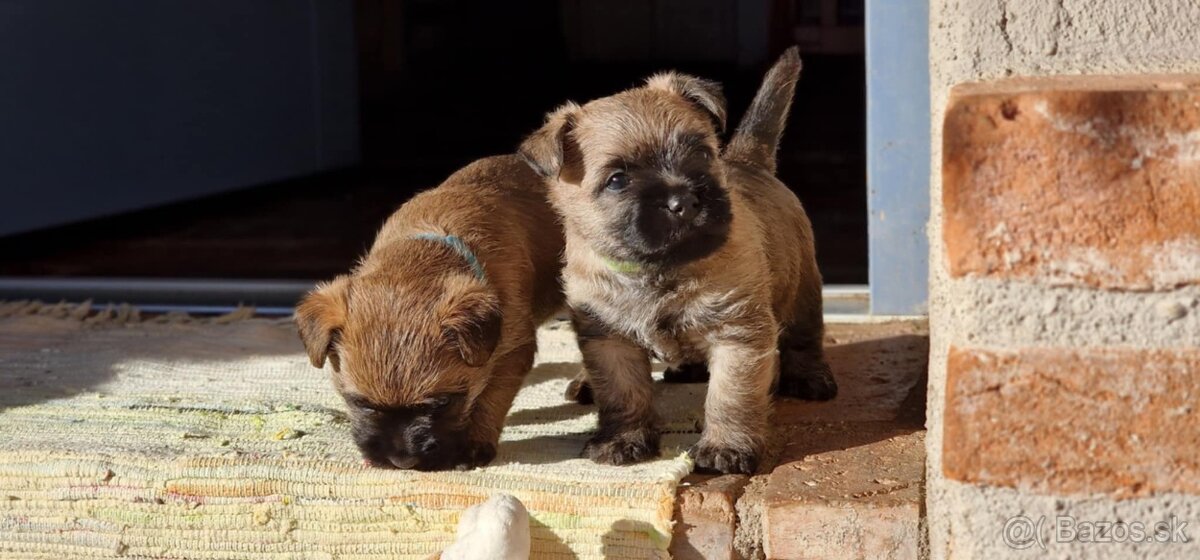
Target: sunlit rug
[{"x": 172, "y": 437}]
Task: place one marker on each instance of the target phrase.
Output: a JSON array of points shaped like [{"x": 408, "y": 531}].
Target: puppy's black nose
[
  {"x": 403, "y": 461},
  {"x": 683, "y": 205}
]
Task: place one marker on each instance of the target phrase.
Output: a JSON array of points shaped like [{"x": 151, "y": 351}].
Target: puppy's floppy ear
[
  {"x": 471, "y": 322},
  {"x": 552, "y": 151},
  {"x": 706, "y": 94},
  {"x": 320, "y": 318}
]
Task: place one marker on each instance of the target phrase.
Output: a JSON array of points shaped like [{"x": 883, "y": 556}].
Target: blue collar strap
[{"x": 455, "y": 242}]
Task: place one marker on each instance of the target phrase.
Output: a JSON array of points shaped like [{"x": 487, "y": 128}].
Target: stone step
[
  {"x": 845, "y": 479},
  {"x": 862, "y": 500}
]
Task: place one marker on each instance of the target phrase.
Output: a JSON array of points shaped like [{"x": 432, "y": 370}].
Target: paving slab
[
  {"x": 845, "y": 498},
  {"x": 843, "y": 478}
]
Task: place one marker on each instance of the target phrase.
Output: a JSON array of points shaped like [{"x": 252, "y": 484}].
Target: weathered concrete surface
[
  {"x": 747, "y": 542},
  {"x": 879, "y": 367},
  {"x": 1001, "y": 313},
  {"x": 975, "y": 40},
  {"x": 843, "y": 498}
]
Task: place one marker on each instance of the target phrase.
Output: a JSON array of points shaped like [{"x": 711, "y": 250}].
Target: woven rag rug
[{"x": 174, "y": 437}]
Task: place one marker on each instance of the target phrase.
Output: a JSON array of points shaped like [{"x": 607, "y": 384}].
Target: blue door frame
[{"x": 898, "y": 155}]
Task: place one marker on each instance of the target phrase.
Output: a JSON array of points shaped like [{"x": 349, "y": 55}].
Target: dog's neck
[
  {"x": 582, "y": 257},
  {"x": 456, "y": 244},
  {"x": 622, "y": 267}
]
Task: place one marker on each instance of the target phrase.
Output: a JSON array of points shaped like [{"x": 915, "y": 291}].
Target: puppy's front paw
[
  {"x": 477, "y": 454},
  {"x": 686, "y": 373},
  {"x": 710, "y": 458},
  {"x": 806, "y": 379},
  {"x": 623, "y": 448},
  {"x": 580, "y": 391}
]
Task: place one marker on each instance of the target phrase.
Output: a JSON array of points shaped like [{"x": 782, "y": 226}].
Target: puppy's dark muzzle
[
  {"x": 423, "y": 456},
  {"x": 422, "y": 451},
  {"x": 683, "y": 225},
  {"x": 431, "y": 459}
]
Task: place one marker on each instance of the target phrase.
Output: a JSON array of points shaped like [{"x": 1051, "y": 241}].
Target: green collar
[{"x": 623, "y": 267}]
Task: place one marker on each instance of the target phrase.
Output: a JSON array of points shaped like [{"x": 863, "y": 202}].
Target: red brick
[
  {"x": 1074, "y": 421},
  {"x": 1090, "y": 181},
  {"x": 706, "y": 517}
]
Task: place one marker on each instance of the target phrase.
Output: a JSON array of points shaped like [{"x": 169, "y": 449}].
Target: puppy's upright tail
[{"x": 757, "y": 136}]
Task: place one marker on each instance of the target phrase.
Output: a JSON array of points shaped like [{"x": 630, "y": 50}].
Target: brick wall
[{"x": 1065, "y": 278}]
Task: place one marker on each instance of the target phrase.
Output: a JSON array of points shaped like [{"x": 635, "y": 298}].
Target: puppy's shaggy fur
[
  {"x": 694, "y": 255},
  {"x": 430, "y": 335}
]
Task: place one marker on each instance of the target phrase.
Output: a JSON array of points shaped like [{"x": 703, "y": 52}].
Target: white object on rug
[{"x": 497, "y": 529}]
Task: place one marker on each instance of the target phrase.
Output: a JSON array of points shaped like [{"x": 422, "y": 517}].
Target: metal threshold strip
[
  {"x": 197, "y": 296},
  {"x": 205, "y": 296}
]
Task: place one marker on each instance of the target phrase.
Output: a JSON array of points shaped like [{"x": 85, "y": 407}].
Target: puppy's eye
[
  {"x": 363, "y": 404},
  {"x": 437, "y": 402},
  {"x": 617, "y": 181},
  {"x": 441, "y": 403}
]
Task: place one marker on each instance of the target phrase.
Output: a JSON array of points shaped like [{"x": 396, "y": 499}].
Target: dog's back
[{"x": 498, "y": 205}]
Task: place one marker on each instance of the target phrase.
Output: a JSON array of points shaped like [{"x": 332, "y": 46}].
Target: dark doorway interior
[{"x": 444, "y": 82}]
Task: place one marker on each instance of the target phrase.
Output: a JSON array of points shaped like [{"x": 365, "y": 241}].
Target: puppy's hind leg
[
  {"x": 803, "y": 376},
  {"x": 580, "y": 388},
  {"x": 686, "y": 373},
  {"x": 803, "y": 371}
]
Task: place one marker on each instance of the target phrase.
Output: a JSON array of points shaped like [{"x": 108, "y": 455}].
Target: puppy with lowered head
[
  {"x": 693, "y": 254},
  {"x": 432, "y": 333}
]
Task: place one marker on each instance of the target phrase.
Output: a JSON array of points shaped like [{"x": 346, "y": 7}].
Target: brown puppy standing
[
  {"x": 695, "y": 255},
  {"x": 432, "y": 333}
]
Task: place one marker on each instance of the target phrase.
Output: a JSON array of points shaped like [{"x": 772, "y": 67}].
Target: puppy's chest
[{"x": 672, "y": 324}]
